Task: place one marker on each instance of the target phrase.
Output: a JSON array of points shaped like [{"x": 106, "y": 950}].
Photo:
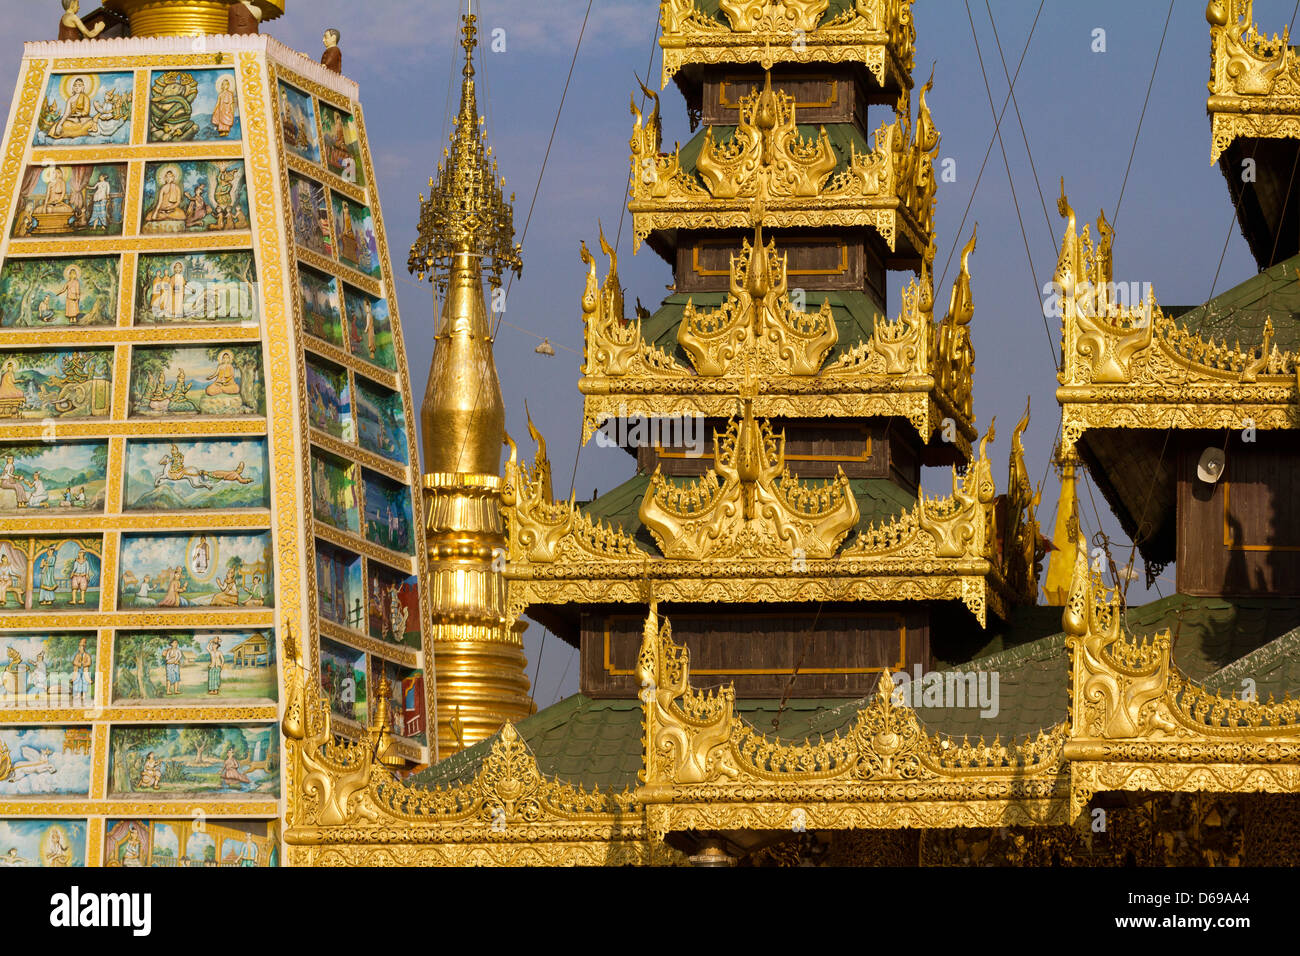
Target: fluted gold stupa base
[
  {"x": 183, "y": 18},
  {"x": 481, "y": 685}
]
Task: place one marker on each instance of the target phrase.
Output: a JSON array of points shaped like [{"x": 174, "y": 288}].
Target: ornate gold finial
[{"x": 466, "y": 211}]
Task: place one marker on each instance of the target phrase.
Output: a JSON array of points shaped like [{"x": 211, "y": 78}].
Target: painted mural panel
[
  {"x": 329, "y": 399},
  {"x": 194, "y": 761},
  {"x": 320, "y": 306},
  {"x": 183, "y": 843},
  {"x": 86, "y": 109},
  {"x": 343, "y": 679},
  {"x": 222, "y": 381},
  {"x": 394, "y": 605},
  {"x": 311, "y": 214},
  {"x": 50, "y": 293},
  {"x": 370, "y": 330},
  {"x": 355, "y": 228},
  {"x": 341, "y": 145},
  {"x": 193, "y": 106},
  {"x": 406, "y": 711},
  {"x": 194, "y": 196},
  {"x": 388, "y": 513},
  {"x": 298, "y": 118},
  {"x": 194, "y": 667},
  {"x": 77, "y": 200},
  {"x": 190, "y": 475},
  {"x": 334, "y": 492},
  {"x": 50, "y": 574},
  {"x": 42, "y": 842},
  {"x": 55, "y": 476},
  {"x": 201, "y": 287},
  {"x": 381, "y": 421},
  {"x": 44, "y": 761},
  {"x": 339, "y": 588},
  {"x": 55, "y": 383},
  {"x": 48, "y": 671},
  {"x": 218, "y": 571}
]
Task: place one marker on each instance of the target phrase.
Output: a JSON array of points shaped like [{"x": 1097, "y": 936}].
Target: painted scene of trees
[
  {"x": 320, "y": 306},
  {"x": 223, "y": 381},
  {"x": 388, "y": 513},
  {"x": 370, "y": 330},
  {"x": 194, "y": 667},
  {"x": 50, "y": 574},
  {"x": 218, "y": 571},
  {"x": 334, "y": 492},
  {"x": 202, "y": 287},
  {"x": 195, "y": 761},
  {"x": 53, "y": 293},
  {"x": 62, "y": 476},
  {"x": 329, "y": 400},
  {"x": 41, "y": 384}
]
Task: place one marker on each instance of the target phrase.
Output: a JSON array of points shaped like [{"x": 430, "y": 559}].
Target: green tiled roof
[
  {"x": 596, "y": 743},
  {"x": 854, "y": 313},
  {"x": 1219, "y": 642},
  {"x": 879, "y": 500},
  {"x": 1238, "y": 315}
]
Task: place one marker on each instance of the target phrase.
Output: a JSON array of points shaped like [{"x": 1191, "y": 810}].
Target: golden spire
[
  {"x": 172, "y": 18},
  {"x": 466, "y": 228},
  {"x": 466, "y": 211},
  {"x": 1067, "y": 541}
]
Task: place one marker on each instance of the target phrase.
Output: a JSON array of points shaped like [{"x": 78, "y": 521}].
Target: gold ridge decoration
[
  {"x": 876, "y": 33},
  {"x": 543, "y": 531},
  {"x": 911, "y": 367},
  {"x": 1138, "y": 723},
  {"x": 613, "y": 345},
  {"x": 352, "y": 810},
  {"x": 467, "y": 210},
  {"x": 705, "y": 768},
  {"x": 757, "y": 325},
  {"x": 1128, "y": 365},
  {"x": 748, "y": 504},
  {"x": 1022, "y": 551},
  {"x": 891, "y": 188},
  {"x": 1254, "y": 79},
  {"x": 942, "y": 549}
]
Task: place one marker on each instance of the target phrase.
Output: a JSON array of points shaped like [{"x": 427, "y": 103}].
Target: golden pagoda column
[{"x": 467, "y": 229}]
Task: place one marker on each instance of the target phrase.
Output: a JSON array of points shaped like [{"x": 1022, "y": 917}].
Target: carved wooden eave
[
  {"x": 912, "y": 367},
  {"x": 346, "y": 808},
  {"x": 941, "y": 549},
  {"x": 890, "y": 189},
  {"x": 1254, "y": 79},
  {"x": 707, "y": 770},
  {"x": 1137, "y": 723},
  {"x": 878, "y": 34},
  {"x": 1128, "y": 365}
]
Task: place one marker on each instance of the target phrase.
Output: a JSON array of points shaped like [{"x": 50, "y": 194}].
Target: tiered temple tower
[
  {"x": 205, "y": 431},
  {"x": 792, "y": 548},
  {"x": 467, "y": 233}
]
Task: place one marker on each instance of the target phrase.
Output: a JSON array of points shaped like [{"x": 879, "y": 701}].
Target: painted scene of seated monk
[
  {"x": 194, "y": 196},
  {"x": 71, "y": 200},
  {"x": 86, "y": 109},
  {"x": 221, "y": 381}
]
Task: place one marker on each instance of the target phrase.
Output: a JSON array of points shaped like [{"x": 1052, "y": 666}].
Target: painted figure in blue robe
[{"x": 49, "y": 575}]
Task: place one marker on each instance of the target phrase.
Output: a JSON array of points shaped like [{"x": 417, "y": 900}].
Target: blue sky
[{"x": 1080, "y": 109}]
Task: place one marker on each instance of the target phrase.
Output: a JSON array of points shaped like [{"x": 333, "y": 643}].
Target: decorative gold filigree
[
  {"x": 703, "y": 763},
  {"x": 1254, "y": 78},
  {"x": 876, "y": 33},
  {"x": 891, "y": 188},
  {"x": 748, "y": 504},
  {"x": 1128, "y": 365}
]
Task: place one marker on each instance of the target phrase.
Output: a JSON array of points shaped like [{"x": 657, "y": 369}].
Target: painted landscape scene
[
  {"x": 202, "y": 287},
  {"x": 355, "y": 228},
  {"x": 339, "y": 586},
  {"x": 370, "y": 330},
  {"x": 62, "y": 476},
  {"x": 221, "y": 381},
  {"x": 341, "y": 145},
  {"x": 388, "y": 513},
  {"x": 40, "y": 384},
  {"x": 381, "y": 420},
  {"x": 320, "y": 306},
  {"x": 192, "y": 475},
  {"x": 218, "y": 571},
  {"x": 42, "y": 842},
  {"x": 334, "y": 492},
  {"x": 329, "y": 400},
  {"x": 50, "y": 574},
  {"x": 195, "y": 761},
  {"x": 194, "y": 667},
  {"x": 298, "y": 118},
  {"x": 48, "y": 671},
  {"x": 54, "y": 293},
  {"x": 44, "y": 761}
]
